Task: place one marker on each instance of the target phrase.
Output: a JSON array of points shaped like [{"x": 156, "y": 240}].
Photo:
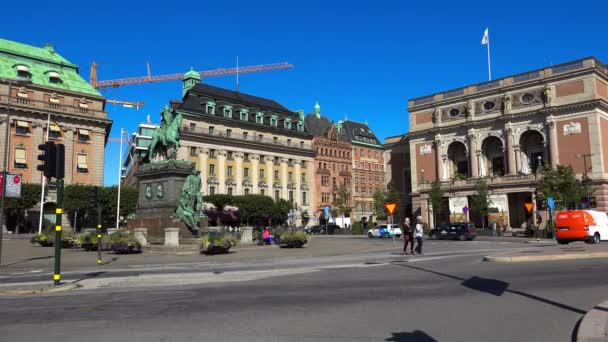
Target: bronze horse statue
[{"x": 166, "y": 136}]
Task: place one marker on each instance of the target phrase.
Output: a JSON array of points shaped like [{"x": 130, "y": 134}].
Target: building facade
[
  {"x": 243, "y": 144},
  {"x": 368, "y": 166},
  {"x": 54, "y": 88},
  {"x": 138, "y": 145},
  {"x": 503, "y": 131},
  {"x": 398, "y": 174},
  {"x": 332, "y": 165}
]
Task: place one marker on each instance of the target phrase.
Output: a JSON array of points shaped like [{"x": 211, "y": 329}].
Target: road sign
[
  {"x": 13, "y": 186},
  {"x": 390, "y": 207},
  {"x": 465, "y": 209},
  {"x": 551, "y": 203},
  {"x": 529, "y": 206},
  {"x": 326, "y": 212}
]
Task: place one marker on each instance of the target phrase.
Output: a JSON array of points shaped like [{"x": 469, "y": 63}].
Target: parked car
[
  {"x": 322, "y": 229},
  {"x": 385, "y": 230},
  {"x": 455, "y": 231},
  {"x": 590, "y": 226}
]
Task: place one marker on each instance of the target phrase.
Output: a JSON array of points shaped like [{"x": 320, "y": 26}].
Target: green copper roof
[
  {"x": 192, "y": 74},
  {"x": 40, "y": 62}
]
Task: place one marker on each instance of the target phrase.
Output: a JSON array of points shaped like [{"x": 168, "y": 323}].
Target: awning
[
  {"x": 54, "y": 128},
  {"x": 22, "y": 124},
  {"x": 20, "y": 156},
  {"x": 53, "y": 100},
  {"x": 83, "y": 105},
  {"x": 82, "y": 161},
  {"x": 83, "y": 132},
  {"x": 23, "y": 68},
  {"x": 53, "y": 74}
]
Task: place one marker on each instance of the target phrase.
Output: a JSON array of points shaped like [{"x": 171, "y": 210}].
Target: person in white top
[{"x": 418, "y": 232}]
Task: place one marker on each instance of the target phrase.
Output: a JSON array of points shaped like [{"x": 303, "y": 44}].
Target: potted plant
[
  {"x": 294, "y": 239},
  {"x": 217, "y": 244},
  {"x": 46, "y": 239},
  {"x": 124, "y": 242}
]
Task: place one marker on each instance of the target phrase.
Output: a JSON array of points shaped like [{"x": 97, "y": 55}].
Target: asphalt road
[{"x": 436, "y": 297}]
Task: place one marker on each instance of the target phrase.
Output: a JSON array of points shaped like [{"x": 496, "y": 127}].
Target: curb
[
  {"x": 594, "y": 326},
  {"x": 551, "y": 257},
  {"x": 40, "y": 290}
]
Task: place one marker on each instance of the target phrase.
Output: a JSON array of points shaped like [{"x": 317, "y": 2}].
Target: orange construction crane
[{"x": 174, "y": 77}]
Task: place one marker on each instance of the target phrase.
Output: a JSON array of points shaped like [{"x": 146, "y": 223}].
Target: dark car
[
  {"x": 322, "y": 229},
  {"x": 454, "y": 231}
]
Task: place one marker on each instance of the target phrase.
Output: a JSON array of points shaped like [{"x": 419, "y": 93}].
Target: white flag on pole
[{"x": 486, "y": 37}]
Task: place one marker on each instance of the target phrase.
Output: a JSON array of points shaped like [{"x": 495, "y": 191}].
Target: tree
[
  {"x": 76, "y": 203},
  {"x": 436, "y": 199},
  {"x": 561, "y": 184},
  {"x": 280, "y": 210},
  {"x": 30, "y": 195},
  {"x": 380, "y": 198},
  {"x": 107, "y": 197},
  {"x": 253, "y": 206},
  {"x": 341, "y": 205},
  {"x": 220, "y": 201},
  {"x": 480, "y": 201}
]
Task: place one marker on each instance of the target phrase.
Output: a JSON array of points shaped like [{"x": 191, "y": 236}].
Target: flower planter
[
  {"x": 212, "y": 250},
  {"x": 46, "y": 243},
  {"x": 293, "y": 244},
  {"x": 89, "y": 246},
  {"x": 124, "y": 248},
  {"x": 67, "y": 244}
]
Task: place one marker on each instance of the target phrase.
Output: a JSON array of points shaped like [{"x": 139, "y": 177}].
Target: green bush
[
  {"x": 357, "y": 228},
  {"x": 46, "y": 239},
  {"x": 218, "y": 243},
  {"x": 294, "y": 239}
]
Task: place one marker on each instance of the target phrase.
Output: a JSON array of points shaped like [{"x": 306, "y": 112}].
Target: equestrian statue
[{"x": 165, "y": 137}]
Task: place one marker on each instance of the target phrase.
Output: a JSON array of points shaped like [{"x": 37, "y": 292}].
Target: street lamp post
[{"x": 6, "y": 147}]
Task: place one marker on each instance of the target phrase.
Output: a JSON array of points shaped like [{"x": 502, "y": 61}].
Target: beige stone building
[
  {"x": 503, "y": 130},
  {"x": 243, "y": 144}
]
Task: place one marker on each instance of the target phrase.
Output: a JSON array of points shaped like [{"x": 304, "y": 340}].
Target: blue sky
[{"x": 362, "y": 60}]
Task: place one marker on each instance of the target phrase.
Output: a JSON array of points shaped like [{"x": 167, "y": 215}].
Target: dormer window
[
  {"x": 300, "y": 126},
  {"x": 227, "y": 111},
  {"x": 274, "y": 120},
  {"x": 54, "y": 77},
  {"x": 287, "y": 124},
  {"x": 259, "y": 118},
  {"x": 23, "y": 71},
  {"x": 210, "y": 108},
  {"x": 244, "y": 115}
]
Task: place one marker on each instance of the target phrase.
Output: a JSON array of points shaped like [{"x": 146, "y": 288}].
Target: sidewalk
[
  {"x": 594, "y": 326},
  {"x": 546, "y": 252}
]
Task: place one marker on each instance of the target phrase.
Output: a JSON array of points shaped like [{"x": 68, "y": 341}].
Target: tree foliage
[
  {"x": 107, "y": 197},
  {"x": 380, "y": 198},
  {"x": 561, "y": 184},
  {"x": 253, "y": 207},
  {"x": 436, "y": 197},
  {"x": 279, "y": 211},
  {"x": 480, "y": 201},
  {"x": 220, "y": 201},
  {"x": 342, "y": 204},
  {"x": 30, "y": 196}
]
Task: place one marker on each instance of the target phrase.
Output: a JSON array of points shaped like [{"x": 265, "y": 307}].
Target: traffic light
[
  {"x": 93, "y": 197},
  {"x": 48, "y": 159},
  {"x": 59, "y": 161}
]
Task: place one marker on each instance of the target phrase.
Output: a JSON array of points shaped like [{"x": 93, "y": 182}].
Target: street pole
[
  {"x": 119, "y": 179},
  {"x": 42, "y": 195},
  {"x": 98, "y": 234},
  {"x": 58, "y": 213},
  {"x": 6, "y": 147}
]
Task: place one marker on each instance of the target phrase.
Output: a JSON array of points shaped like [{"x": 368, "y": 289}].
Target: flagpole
[
  {"x": 119, "y": 179},
  {"x": 489, "y": 65},
  {"x": 48, "y": 127}
]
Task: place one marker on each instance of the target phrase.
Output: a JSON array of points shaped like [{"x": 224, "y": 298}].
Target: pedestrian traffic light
[
  {"x": 48, "y": 159},
  {"x": 93, "y": 197}
]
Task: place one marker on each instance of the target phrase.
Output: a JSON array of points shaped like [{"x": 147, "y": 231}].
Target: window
[
  {"x": 23, "y": 71},
  {"x": 54, "y": 77},
  {"x": 230, "y": 155},
  {"x": 246, "y": 191},
  {"x": 527, "y": 98},
  {"x": 229, "y": 171},
  {"x": 304, "y": 198},
  {"x": 212, "y": 153},
  {"x": 276, "y": 175},
  {"x": 192, "y": 151},
  {"x": 81, "y": 164},
  {"x": 288, "y": 142},
  {"x": 304, "y": 164},
  {"x": 211, "y": 190},
  {"x": 275, "y": 140},
  {"x": 230, "y": 191},
  {"x": 489, "y": 105},
  {"x": 246, "y": 156},
  {"x": 244, "y": 115},
  {"x": 20, "y": 159},
  {"x": 274, "y": 121},
  {"x": 192, "y": 127},
  {"x": 320, "y": 165},
  {"x": 246, "y": 172},
  {"x": 245, "y": 135},
  {"x": 369, "y": 153},
  {"x": 300, "y": 127},
  {"x": 287, "y": 123},
  {"x": 463, "y": 168},
  {"x": 276, "y": 195},
  {"x": 211, "y": 169},
  {"x": 211, "y": 129},
  {"x": 83, "y": 135},
  {"x": 290, "y": 176},
  {"x": 301, "y": 144},
  {"x": 227, "y": 111},
  {"x": 291, "y": 196},
  {"x": 262, "y": 173},
  {"x": 210, "y": 108},
  {"x": 356, "y": 180},
  {"x": 259, "y": 118},
  {"x": 228, "y": 133},
  {"x": 356, "y": 164},
  {"x": 54, "y": 132},
  {"x": 262, "y": 192},
  {"x": 22, "y": 127},
  {"x": 303, "y": 178}
]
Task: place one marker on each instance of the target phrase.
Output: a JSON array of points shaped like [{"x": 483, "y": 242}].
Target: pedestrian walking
[
  {"x": 408, "y": 236},
  {"x": 418, "y": 232},
  {"x": 493, "y": 227}
]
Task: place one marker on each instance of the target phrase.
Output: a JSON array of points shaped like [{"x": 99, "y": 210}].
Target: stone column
[
  {"x": 473, "y": 160},
  {"x": 510, "y": 157},
  {"x": 553, "y": 143},
  {"x": 255, "y": 173},
  {"x": 284, "y": 180},
  {"x": 517, "y": 159},
  {"x": 269, "y": 176},
  {"x": 203, "y": 168},
  {"x": 480, "y": 172},
  {"x": 445, "y": 172},
  {"x": 297, "y": 193},
  {"x": 221, "y": 171},
  {"x": 238, "y": 156},
  {"x": 438, "y": 162}
]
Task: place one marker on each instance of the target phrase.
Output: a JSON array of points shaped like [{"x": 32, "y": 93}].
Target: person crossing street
[{"x": 408, "y": 236}]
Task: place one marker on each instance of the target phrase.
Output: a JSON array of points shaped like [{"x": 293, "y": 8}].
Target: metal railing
[{"x": 48, "y": 106}]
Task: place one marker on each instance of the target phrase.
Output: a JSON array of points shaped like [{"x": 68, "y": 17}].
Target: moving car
[
  {"x": 385, "y": 230},
  {"x": 590, "y": 226},
  {"x": 454, "y": 231},
  {"x": 322, "y": 229}
]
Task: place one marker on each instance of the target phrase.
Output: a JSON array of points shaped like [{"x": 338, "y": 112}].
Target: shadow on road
[
  {"x": 27, "y": 260},
  {"x": 414, "y": 336},
  {"x": 496, "y": 287},
  {"x": 89, "y": 276}
]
